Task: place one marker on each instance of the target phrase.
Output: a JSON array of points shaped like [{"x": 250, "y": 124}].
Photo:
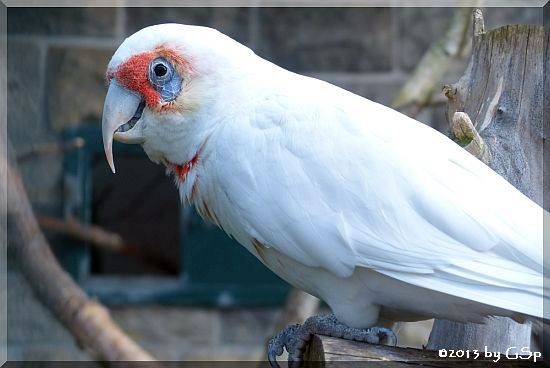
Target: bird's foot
[{"x": 294, "y": 338}]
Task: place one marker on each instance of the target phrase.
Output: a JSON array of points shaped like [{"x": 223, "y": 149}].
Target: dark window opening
[{"x": 141, "y": 204}]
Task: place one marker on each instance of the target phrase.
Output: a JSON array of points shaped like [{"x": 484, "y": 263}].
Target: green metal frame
[{"x": 216, "y": 270}]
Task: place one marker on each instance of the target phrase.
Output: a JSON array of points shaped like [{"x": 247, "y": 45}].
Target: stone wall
[{"x": 56, "y": 63}]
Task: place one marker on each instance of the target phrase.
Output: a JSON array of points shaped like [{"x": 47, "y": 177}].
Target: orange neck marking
[{"x": 182, "y": 170}]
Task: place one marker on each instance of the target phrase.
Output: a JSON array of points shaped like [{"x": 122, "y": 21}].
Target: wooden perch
[
  {"x": 329, "y": 351},
  {"x": 499, "y": 103},
  {"x": 498, "y": 107},
  {"x": 501, "y": 91},
  {"x": 88, "y": 321}
]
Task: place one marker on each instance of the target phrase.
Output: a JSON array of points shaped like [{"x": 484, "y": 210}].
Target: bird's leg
[{"x": 294, "y": 338}]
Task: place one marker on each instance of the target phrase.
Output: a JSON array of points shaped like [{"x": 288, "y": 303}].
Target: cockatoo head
[{"x": 163, "y": 82}]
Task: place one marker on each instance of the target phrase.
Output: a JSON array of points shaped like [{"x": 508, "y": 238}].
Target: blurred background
[{"x": 175, "y": 284}]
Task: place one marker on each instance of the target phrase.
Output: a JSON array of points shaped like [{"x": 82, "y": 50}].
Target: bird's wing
[{"x": 350, "y": 183}]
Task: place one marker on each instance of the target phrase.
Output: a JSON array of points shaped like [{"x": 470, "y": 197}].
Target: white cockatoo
[{"x": 329, "y": 190}]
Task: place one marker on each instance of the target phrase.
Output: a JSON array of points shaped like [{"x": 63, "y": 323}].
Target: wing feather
[{"x": 343, "y": 182}]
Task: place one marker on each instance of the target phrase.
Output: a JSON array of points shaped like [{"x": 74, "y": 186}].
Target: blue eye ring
[
  {"x": 159, "y": 80},
  {"x": 165, "y": 79}
]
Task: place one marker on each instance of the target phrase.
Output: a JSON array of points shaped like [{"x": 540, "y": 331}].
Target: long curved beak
[{"x": 120, "y": 107}]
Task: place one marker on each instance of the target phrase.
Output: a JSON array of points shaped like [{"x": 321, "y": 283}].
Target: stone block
[
  {"x": 167, "y": 351},
  {"x": 231, "y": 21},
  {"x": 169, "y": 325},
  {"x": 497, "y": 17},
  {"x": 29, "y": 321},
  {"x": 381, "y": 90},
  {"x": 247, "y": 326},
  {"x": 418, "y": 28},
  {"x": 227, "y": 354},
  {"x": 57, "y": 352},
  {"x": 326, "y": 39},
  {"x": 76, "y": 85},
  {"x": 27, "y": 125},
  {"x": 99, "y": 22}
]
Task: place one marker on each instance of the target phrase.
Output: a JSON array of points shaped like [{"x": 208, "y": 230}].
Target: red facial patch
[
  {"x": 181, "y": 64},
  {"x": 133, "y": 74}
]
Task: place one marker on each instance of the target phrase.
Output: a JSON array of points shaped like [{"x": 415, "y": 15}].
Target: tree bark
[
  {"x": 324, "y": 351},
  {"x": 502, "y": 94}
]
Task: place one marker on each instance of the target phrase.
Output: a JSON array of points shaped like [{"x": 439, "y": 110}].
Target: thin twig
[
  {"x": 49, "y": 149},
  {"x": 103, "y": 239},
  {"x": 88, "y": 233},
  {"x": 437, "y": 100},
  {"x": 417, "y": 92}
]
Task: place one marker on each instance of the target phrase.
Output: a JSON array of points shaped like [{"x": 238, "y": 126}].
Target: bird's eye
[
  {"x": 165, "y": 79},
  {"x": 160, "y": 70}
]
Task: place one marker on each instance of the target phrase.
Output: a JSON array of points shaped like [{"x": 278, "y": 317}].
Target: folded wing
[{"x": 360, "y": 185}]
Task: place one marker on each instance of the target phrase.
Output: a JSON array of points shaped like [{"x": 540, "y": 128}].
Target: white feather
[
  {"x": 350, "y": 200},
  {"x": 336, "y": 182}
]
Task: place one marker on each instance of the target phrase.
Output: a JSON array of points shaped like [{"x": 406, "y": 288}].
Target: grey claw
[
  {"x": 272, "y": 358},
  {"x": 284, "y": 339},
  {"x": 294, "y": 338},
  {"x": 273, "y": 362},
  {"x": 274, "y": 349},
  {"x": 386, "y": 334}
]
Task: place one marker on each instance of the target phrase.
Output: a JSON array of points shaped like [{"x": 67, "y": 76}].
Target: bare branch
[
  {"x": 437, "y": 100},
  {"x": 417, "y": 92},
  {"x": 88, "y": 321},
  {"x": 103, "y": 239},
  {"x": 89, "y": 233},
  {"x": 48, "y": 149},
  {"x": 513, "y": 131},
  {"x": 467, "y": 136}
]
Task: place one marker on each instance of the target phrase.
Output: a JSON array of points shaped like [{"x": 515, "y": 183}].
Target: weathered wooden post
[
  {"x": 502, "y": 94},
  {"x": 496, "y": 113}
]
